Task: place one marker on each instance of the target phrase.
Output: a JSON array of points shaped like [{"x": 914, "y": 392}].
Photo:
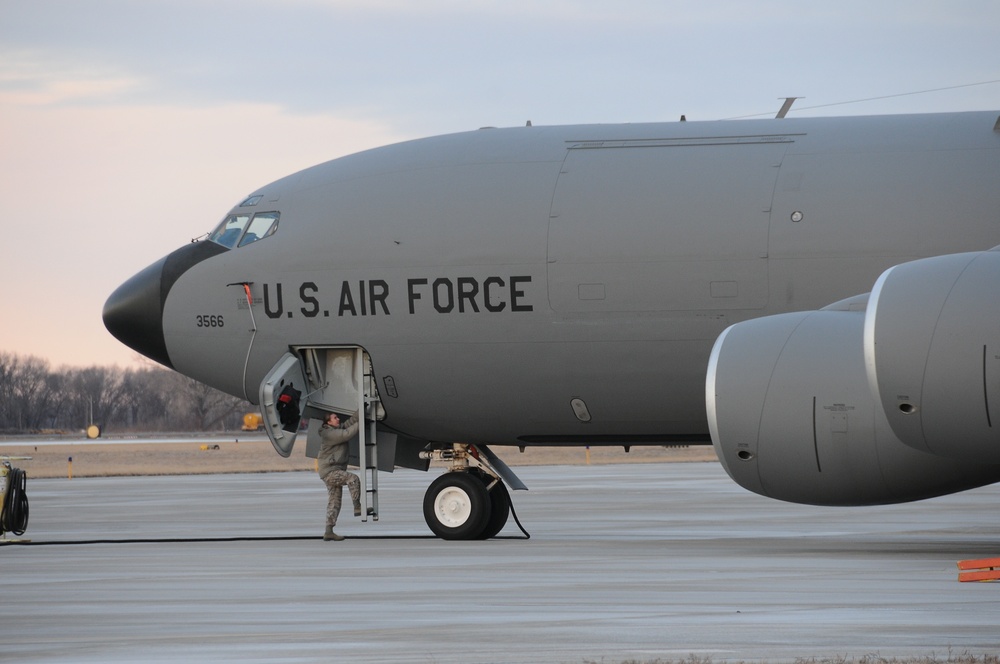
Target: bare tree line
[{"x": 34, "y": 397}]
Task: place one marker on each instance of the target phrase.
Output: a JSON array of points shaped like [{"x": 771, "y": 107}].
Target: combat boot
[
  {"x": 329, "y": 535},
  {"x": 357, "y": 510}
]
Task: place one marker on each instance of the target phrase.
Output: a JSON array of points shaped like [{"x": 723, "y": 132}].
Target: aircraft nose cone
[{"x": 134, "y": 314}]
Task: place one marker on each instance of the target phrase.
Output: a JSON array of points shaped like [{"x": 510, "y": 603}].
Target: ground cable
[{"x": 513, "y": 513}]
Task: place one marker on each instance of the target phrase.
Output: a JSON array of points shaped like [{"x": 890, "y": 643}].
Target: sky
[{"x": 127, "y": 128}]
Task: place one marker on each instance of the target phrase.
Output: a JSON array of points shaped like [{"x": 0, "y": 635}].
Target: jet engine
[
  {"x": 932, "y": 350},
  {"x": 849, "y": 407}
]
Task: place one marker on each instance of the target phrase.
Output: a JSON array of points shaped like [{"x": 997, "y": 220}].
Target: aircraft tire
[
  {"x": 499, "y": 507},
  {"x": 457, "y": 506}
]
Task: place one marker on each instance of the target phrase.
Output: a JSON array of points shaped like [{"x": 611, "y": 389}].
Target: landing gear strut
[{"x": 469, "y": 501}]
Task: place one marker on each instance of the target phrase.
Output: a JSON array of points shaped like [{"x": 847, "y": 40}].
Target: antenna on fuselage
[{"x": 783, "y": 111}]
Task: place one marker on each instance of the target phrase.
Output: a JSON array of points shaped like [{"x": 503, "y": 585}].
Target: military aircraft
[{"x": 636, "y": 284}]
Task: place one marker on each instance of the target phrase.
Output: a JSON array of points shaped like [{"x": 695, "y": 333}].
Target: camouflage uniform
[{"x": 333, "y": 467}]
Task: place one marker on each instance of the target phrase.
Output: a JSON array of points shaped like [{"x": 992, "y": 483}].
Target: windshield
[
  {"x": 239, "y": 230},
  {"x": 230, "y": 230}
]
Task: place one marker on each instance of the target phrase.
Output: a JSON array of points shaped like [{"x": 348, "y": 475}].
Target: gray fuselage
[{"x": 498, "y": 279}]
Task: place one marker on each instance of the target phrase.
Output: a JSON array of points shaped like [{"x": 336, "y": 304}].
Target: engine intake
[{"x": 932, "y": 352}]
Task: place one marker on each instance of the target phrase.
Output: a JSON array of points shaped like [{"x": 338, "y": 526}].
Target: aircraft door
[
  {"x": 340, "y": 379},
  {"x": 334, "y": 370},
  {"x": 283, "y": 394}
]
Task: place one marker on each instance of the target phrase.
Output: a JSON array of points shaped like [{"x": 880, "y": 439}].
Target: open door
[{"x": 283, "y": 395}]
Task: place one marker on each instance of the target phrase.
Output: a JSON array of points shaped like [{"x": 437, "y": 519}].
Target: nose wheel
[
  {"x": 457, "y": 506},
  {"x": 470, "y": 501},
  {"x": 499, "y": 505}
]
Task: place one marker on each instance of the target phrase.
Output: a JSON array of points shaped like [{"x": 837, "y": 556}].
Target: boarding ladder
[{"x": 368, "y": 404}]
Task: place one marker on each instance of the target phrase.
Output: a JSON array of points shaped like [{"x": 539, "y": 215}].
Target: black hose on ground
[{"x": 518, "y": 521}]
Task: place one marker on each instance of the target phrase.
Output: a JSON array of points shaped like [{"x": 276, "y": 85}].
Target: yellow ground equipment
[{"x": 253, "y": 422}]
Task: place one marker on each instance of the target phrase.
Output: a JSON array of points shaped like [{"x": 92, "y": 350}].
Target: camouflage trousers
[{"x": 335, "y": 481}]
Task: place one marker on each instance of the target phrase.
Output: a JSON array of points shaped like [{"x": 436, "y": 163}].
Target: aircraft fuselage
[
  {"x": 495, "y": 276},
  {"x": 565, "y": 285}
]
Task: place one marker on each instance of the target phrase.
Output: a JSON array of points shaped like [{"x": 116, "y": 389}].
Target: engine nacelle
[
  {"x": 932, "y": 350},
  {"x": 792, "y": 417}
]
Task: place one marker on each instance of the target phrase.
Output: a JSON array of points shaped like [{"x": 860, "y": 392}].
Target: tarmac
[{"x": 637, "y": 562}]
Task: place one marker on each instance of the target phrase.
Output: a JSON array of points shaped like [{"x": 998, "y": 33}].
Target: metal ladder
[{"x": 368, "y": 403}]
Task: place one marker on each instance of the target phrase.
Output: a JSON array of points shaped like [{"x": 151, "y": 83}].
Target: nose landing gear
[{"x": 468, "y": 502}]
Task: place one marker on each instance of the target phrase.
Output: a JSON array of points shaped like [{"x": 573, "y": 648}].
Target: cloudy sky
[{"x": 129, "y": 127}]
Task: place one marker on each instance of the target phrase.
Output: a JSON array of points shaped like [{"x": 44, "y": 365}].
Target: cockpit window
[
  {"x": 250, "y": 201},
  {"x": 262, "y": 225},
  {"x": 230, "y": 230},
  {"x": 242, "y": 229}
]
